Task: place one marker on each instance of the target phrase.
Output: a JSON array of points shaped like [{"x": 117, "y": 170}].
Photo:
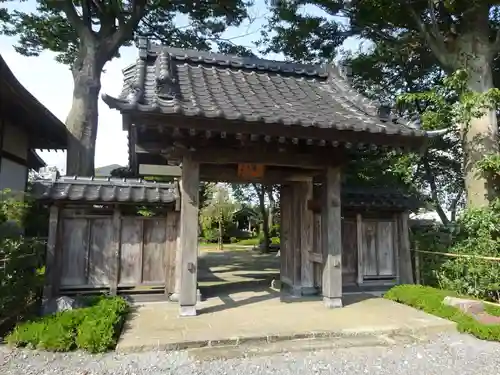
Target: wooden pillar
[
  {"x": 171, "y": 241},
  {"x": 285, "y": 228},
  {"x": 52, "y": 269},
  {"x": 306, "y": 223},
  {"x": 189, "y": 189},
  {"x": 331, "y": 234},
  {"x": 115, "y": 262},
  {"x": 359, "y": 242},
  {"x": 404, "y": 258}
]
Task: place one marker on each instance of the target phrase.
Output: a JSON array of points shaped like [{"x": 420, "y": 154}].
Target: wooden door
[{"x": 378, "y": 249}]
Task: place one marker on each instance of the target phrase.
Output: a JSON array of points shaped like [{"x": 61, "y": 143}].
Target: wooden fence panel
[
  {"x": 131, "y": 251},
  {"x": 146, "y": 252},
  {"x": 75, "y": 239},
  {"x": 154, "y": 249},
  {"x": 100, "y": 251}
]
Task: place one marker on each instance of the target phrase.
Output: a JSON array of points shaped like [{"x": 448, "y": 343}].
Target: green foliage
[
  {"x": 478, "y": 236},
  {"x": 430, "y": 300},
  {"x": 21, "y": 258},
  {"x": 217, "y": 216},
  {"x": 436, "y": 239},
  {"x": 65, "y": 27},
  {"x": 95, "y": 328}
]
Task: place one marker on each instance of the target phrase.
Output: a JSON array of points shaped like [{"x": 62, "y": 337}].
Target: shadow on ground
[{"x": 228, "y": 271}]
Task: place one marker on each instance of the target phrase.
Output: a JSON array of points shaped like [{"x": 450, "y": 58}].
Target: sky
[{"x": 52, "y": 84}]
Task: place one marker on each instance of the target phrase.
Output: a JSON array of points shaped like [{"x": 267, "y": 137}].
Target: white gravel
[{"x": 447, "y": 354}]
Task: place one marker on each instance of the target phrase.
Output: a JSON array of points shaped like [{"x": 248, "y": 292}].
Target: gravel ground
[{"x": 445, "y": 354}]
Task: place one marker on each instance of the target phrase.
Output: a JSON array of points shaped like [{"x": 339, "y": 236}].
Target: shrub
[
  {"x": 430, "y": 300},
  {"x": 478, "y": 236},
  {"x": 94, "y": 328},
  {"x": 21, "y": 258}
]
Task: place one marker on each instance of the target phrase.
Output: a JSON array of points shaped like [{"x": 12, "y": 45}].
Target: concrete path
[{"x": 253, "y": 317}]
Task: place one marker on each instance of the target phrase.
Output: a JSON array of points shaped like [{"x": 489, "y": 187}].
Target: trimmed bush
[
  {"x": 430, "y": 300},
  {"x": 95, "y": 328}
]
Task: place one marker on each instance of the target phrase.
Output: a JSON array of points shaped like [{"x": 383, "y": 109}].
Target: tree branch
[
  {"x": 454, "y": 204},
  {"x": 84, "y": 32},
  {"x": 125, "y": 27},
  {"x": 434, "y": 193},
  {"x": 434, "y": 39}
]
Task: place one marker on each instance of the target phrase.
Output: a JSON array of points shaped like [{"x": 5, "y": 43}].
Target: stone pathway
[{"x": 241, "y": 317}]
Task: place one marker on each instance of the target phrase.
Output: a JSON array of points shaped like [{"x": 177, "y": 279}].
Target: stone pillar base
[
  {"x": 332, "y": 302},
  {"x": 174, "y": 297},
  {"x": 187, "y": 311}
]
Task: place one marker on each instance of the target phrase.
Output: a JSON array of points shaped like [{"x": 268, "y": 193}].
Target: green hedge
[
  {"x": 430, "y": 300},
  {"x": 95, "y": 328}
]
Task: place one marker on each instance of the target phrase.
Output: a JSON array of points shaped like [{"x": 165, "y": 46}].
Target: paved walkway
[{"x": 241, "y": 317}]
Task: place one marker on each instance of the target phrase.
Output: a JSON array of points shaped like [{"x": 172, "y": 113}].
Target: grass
[
  {"x": 95, "y": 328},
  {"x": 430, "y": 300}
]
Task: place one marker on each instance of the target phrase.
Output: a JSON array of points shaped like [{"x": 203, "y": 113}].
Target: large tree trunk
[
  {"x": 480, "y": 136},
  {"x": 82, "y": 119}
]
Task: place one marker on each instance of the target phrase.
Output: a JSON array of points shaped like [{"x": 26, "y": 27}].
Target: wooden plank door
[{"x": 378, "y": 249}]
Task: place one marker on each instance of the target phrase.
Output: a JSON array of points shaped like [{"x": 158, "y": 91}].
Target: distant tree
[
  {"x": 219, "y": 212},
  {"x": 87, "y": 34}
]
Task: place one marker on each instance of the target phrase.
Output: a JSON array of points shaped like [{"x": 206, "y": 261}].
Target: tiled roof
[
  {"x": 202, "y": 84},
  {"x": 378, "y": 198},
  {"x": 101, "y": 190},
  {"x": 46, "y": 131}
]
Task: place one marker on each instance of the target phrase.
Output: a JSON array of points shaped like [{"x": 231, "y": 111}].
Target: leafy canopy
[{"x": 72, "y": 27}]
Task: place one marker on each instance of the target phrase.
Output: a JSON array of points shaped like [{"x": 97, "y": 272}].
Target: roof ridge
[{"x": 226, "y": 60}]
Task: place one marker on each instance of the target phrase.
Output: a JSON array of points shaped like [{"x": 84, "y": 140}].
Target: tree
[
  {"x": 86, "y": 34},
  {"x": 218, "y": 211},
  {"x": 461, "y": 35},
  {"x": 392, "y": 72},
  {"x": 256, "y": 192}
]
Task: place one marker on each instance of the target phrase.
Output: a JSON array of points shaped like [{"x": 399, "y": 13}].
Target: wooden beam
[
  {"x": 331, "y": 234},
  {"x": 189, "y": 236},
  {"x": 277, "y": 130},
  {"x": 52, "y": 269},
  {"x": 159, "y": 170},
  {"x": 405, "y": 267},
  {"x": 115, "y": 261},
  {"x": 269, "y": 155},
  {"x": 228, "y": 173}
]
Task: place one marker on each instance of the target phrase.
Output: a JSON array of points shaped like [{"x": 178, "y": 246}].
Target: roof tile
[
  {"x": 101, "y": 190},
  {"x": 192, "y": 83}
]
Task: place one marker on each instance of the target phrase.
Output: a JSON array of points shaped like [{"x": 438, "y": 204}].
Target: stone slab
[{"x": 254, "y": 318}]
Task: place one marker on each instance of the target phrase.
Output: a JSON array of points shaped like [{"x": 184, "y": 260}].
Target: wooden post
[
  {"x": 294, "y": 249},
  {"x": 52, "y": 274},
  {"x": 306, "y": 238},
  {"x": 331, "y": 234},
  {"x": 189, "y": 188},
  {"x": 417, "y": 267},
  {"x": 359, "y": 242},
  {"x": 172, "y": 257},
  {"x": 115, "y": 262},
  {"x": 285, "y": 235},
  {"x": 405, "y": 268}
]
